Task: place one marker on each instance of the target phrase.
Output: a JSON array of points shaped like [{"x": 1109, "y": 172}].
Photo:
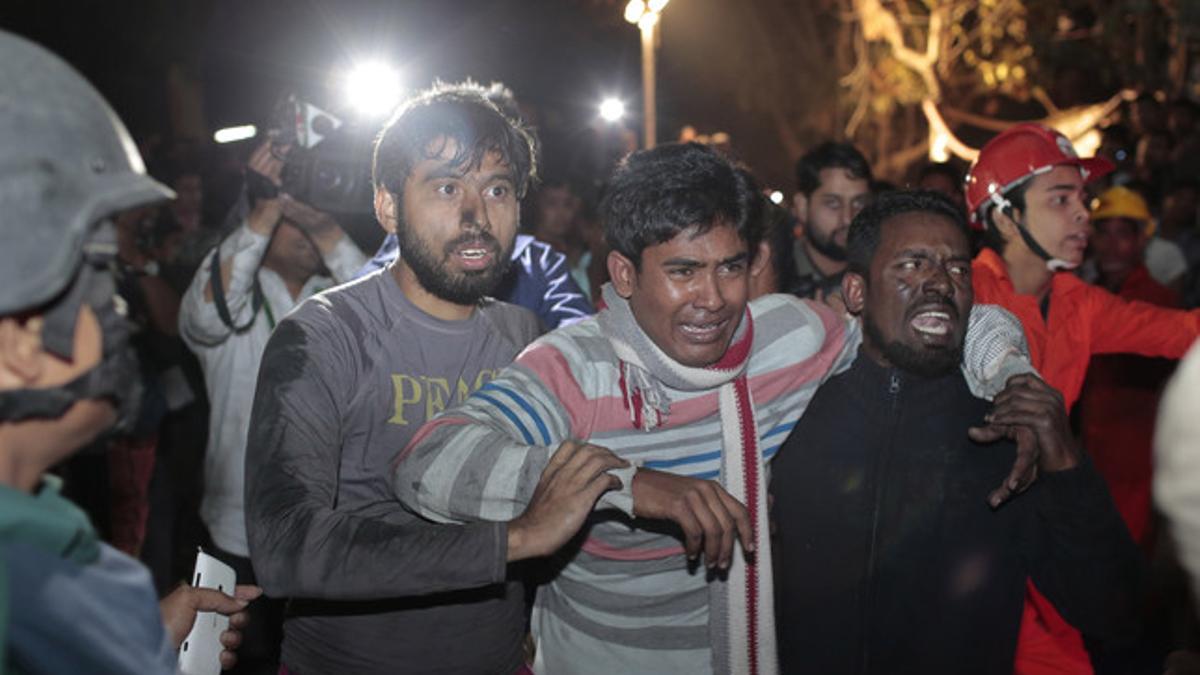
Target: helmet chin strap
[
  {"x": 115, "y": 378},
  {"x": 1053, "y": 264}
]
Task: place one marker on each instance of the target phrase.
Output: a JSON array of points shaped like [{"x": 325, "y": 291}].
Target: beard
[
  {"x": 924, "y": 362},
  {"x": 462, "y": 288},
  {"x": 826, "y": 245}
]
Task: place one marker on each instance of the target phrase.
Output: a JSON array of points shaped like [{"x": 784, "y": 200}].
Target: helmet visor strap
[{"x": 90, "y": 285}]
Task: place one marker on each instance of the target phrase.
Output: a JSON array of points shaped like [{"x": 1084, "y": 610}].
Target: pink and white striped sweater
[{"x": 625, "y": 599}]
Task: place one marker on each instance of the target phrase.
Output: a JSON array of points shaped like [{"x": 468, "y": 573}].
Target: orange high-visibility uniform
[
  {"x": 1119, "y": 406},
  {"x": 1082, "y": 320}
]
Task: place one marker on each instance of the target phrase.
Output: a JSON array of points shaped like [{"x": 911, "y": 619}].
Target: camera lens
[{"x": 328, "y": 179}]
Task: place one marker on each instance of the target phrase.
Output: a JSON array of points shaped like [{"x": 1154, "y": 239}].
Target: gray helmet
[{"x": 66, "y": 163}]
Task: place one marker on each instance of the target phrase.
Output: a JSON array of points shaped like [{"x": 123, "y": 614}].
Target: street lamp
[
  {"x": 644, "y": 13},
  {"x": 612, "y": 109}
]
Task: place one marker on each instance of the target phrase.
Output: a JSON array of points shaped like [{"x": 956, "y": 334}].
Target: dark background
[{"x": 768, "y": 72}]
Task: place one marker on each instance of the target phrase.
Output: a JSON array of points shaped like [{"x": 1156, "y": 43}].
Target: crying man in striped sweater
[{"x": 696, "y": 387}]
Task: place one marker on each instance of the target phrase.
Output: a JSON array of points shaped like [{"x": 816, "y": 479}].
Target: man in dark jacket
[{"x": 891, "y": 561}]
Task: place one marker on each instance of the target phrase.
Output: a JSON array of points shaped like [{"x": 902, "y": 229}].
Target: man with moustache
[
  {"x": 889, "y": 560},
  {"x": 693, "y": 384},
  {"x": 350, "y": 375},
  {"x": 833, "y": 183},
  {"x": 540, "y": 278}
]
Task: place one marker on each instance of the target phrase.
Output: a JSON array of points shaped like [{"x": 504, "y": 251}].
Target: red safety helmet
[{"x": 1016, "y": 155}]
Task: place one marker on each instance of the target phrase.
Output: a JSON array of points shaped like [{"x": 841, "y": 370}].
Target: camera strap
[{"x": 218, "y": 295}]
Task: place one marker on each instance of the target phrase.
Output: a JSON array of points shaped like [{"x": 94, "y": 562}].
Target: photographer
[{"x": 283, "y": 252}]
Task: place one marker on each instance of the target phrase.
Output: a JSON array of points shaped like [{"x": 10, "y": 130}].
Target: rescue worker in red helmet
[{"x": 1026, "y": 192}]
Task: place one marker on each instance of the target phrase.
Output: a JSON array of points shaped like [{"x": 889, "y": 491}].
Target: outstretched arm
[
  {"x": 1120, "y": 325},
  {"x": 483, "y": 461}
]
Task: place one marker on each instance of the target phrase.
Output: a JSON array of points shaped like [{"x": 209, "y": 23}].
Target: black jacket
[{"x": 891, "y": 560}]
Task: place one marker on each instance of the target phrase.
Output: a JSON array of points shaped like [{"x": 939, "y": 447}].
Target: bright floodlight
[
  {"x": 373, "y": 88},
  {"x": 232, "y": 134},
  {"x": 777, "y": 197},
  {"x": 612, "y": 109},
  {"x": 634, "y": 10}
]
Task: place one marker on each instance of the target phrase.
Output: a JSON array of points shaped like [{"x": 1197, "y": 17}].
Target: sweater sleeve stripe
[
  {"x": 548, "y": 364},
  {"x": 713, "y": 456},
  {"x": 524, "y": 405},
  {"x": 602, "y": 549},
  {"x": 781, "y": 429},
  {"x": 680, "y": 461},
  {"x": 512, "y": 417}
]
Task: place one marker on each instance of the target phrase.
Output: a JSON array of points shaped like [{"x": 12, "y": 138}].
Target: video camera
[{"x": 329, "y": 165}]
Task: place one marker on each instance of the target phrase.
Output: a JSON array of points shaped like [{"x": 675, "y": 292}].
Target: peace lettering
[{"x": 425, "y": 396}]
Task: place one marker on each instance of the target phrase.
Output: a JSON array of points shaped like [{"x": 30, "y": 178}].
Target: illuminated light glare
[
  {"x": 612, "y": 109},
  {"x": 373, "y": 88},
  {"x": 232, "y": 134},
  {"x": 777, "y": 197},
  {"x": 1087, "y": 144},
  {"x": 939, "y": 147},
  {"x": 634, "y": 10},
  {"x": 646, "y": 23},
  {"x": 657, "y": 6}
]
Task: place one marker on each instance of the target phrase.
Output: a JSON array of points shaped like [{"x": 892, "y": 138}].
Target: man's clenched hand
[
  {"x": 1031, "y": 413},
  {"x": 572, "y": 481},
  {"x": 710, "y": 517}
]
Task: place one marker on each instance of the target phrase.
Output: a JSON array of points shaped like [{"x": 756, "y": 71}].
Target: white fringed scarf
[{"x": 741, "y": 608}]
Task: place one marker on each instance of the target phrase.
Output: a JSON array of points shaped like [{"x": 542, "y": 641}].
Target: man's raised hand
[
  {"x": 265, "y": 166},
  {"x": 321, "y": 227}
]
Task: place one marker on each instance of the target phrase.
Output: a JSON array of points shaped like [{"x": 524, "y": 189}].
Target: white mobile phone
[{"x": 200, "y": 653}]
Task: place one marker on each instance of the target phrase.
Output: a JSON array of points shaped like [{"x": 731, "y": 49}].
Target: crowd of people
[{"x": 648, "y": 422}]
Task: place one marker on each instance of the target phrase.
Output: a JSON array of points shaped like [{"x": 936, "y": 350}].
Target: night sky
[{"x": 560, "y": 57}]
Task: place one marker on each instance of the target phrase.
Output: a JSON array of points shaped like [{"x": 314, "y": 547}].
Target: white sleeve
[
  {"x": 1177, "y": 461},
  {"x": 199, "y": 322},
  {"x": 345, "y": 260},
  {"x": 1165, "y": 260},
  {"x": 994, "y": 350}
]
